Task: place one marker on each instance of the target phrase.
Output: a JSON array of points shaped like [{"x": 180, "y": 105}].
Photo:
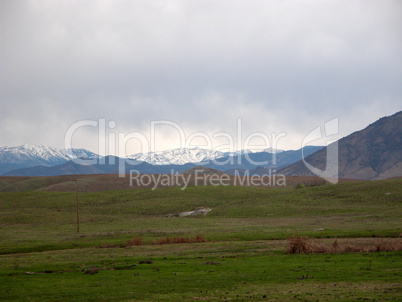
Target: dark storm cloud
[{"x": 280, "y": 65}]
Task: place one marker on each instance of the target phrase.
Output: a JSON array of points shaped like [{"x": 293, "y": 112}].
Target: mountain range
[
  {"x": 372, "y": 153},
  {"x": 244, "y": 160},
  {"x": 27, "y": 155},
  {"x": 181, "y": 156}
]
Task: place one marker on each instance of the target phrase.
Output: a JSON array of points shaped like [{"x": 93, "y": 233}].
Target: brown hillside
[
  {"x": 372, "y": 153},
  {"x": 106, "y": 182}
]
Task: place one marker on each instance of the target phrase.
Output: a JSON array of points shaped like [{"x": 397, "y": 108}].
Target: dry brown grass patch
[
  {"x": 303, "y": 245},
  {"x": 175, "y": 240},
  {"x": 134, "y": 241}
]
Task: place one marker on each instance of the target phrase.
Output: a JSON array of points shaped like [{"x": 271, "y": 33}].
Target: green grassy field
[{"x": 242, "y": 259}]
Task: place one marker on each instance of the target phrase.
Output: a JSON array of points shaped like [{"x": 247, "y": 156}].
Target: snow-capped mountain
[
  {"x": 248, "y": 151},
  {"x": 38, "y": 160},
  {"x": 27, "y": 156},
  {"x": 182, "y": 156},
  {"x": 38, "y": 155},
  {"x": 177, "y": 156}
]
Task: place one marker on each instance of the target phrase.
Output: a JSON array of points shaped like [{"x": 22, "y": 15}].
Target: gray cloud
[{"x": 279, "y": 65}]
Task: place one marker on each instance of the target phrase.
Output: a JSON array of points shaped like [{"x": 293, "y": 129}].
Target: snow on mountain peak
[
  {"x": 41, "y": 155},
  {"x": 180, "y": 156},
  {"x": 29, "y": 155}
]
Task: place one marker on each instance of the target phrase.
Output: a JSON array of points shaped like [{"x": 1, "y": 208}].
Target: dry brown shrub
[
  {"x": 134, "y": 241},
  {"x": 300, "y": 245},
  {"x": 166, "y": 240},
  {"x": 196, "y": 239},
  {"x": 179, "y": 239},
  {"x": 304, "y": 245},
  {"x": 352, "y": 249},
  {"x": 335, "y": 246},
  {"x": 388, "y": 246}
]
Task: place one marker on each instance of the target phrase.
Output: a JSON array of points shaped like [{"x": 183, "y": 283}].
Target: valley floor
[
  {"x": 211, "y": 271},
  {"x": 118, "y": 254}
]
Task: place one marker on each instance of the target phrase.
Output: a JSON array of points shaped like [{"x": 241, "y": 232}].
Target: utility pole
[{"x": 76, "y": 197}]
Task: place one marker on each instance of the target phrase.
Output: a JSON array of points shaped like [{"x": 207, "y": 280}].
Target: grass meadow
[{"x": 43, "y": 258}]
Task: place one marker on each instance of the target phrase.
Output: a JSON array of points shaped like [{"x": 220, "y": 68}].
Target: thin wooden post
[{"x": 76, "y": 197}]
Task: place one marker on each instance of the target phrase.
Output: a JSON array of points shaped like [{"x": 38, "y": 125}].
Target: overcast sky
[{"x": 280, "y": 66}]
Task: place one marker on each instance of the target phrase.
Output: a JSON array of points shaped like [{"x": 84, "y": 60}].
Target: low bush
[
  {"x": 166, "y": 240},
  {"x": 175, "y": 240},
  {"x": 304, "y": 245},
  {"x": 134, "y": 241}
]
